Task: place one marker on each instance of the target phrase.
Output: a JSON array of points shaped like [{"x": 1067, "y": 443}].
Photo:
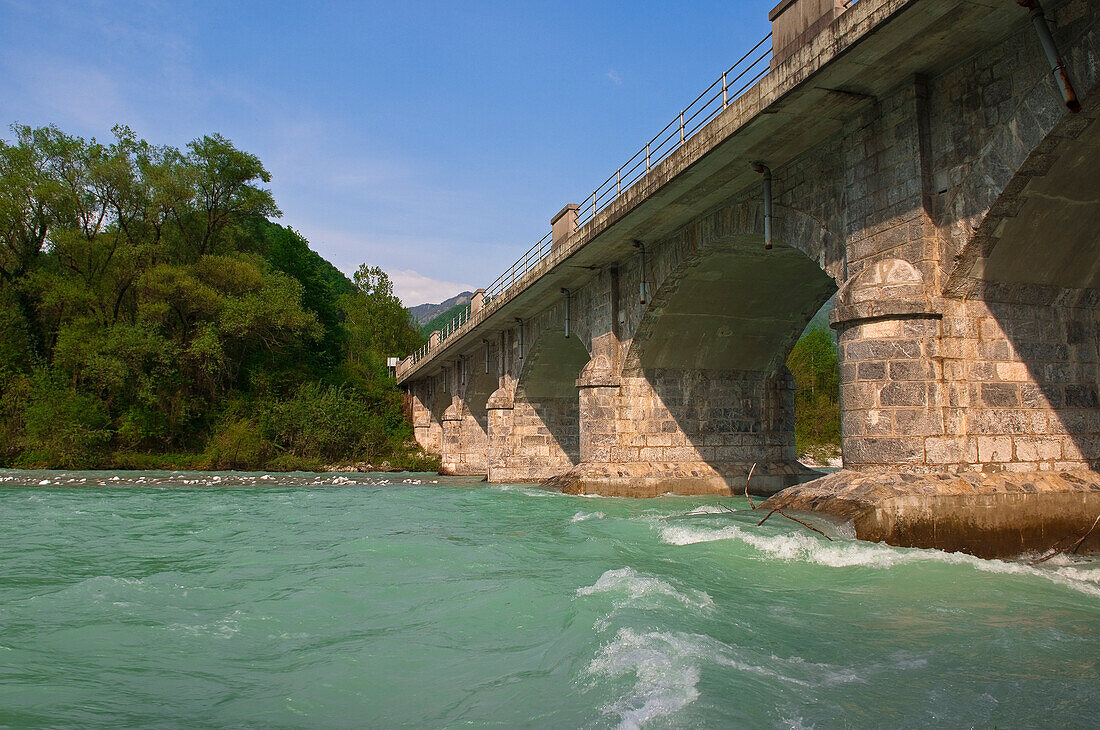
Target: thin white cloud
[
  {"x": 413, "y": 288},
  {"x": 614, "y": 76},
  {"x": 69, "y": 92},
  {"x": 394, "y": 252}
]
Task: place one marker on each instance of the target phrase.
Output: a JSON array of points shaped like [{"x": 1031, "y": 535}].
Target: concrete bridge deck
[{"x": 927, "y": 169}]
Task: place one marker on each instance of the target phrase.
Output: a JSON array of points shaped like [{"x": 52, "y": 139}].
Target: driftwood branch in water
[
  {"x": 747, "y": 480},
  {"x": 804, "y": 524},
  {"x": 1074, "y": 547},
  {"x": 752, "y": 505},
  {"x": 766, "y": 518},
  {"x": 794, "y": 519}
]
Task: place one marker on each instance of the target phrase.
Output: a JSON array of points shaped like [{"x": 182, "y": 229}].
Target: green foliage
[
  {"x": 326, "y": 422},
  {"x": 149, "y": 310},
  {"x": 237, "y": 444},
  {"x": 813, "y": 362},
  {"x": 63, "y": 427},
  {"x": 375, "y": 318}
]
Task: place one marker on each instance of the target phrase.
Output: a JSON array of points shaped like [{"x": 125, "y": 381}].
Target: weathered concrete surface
[{"x": 990, "y": 515}]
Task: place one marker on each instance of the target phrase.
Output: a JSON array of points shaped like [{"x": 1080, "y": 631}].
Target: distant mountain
[{"x": 423, "y": 313}]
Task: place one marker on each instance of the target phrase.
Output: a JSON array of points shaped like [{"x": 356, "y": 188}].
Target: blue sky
[{"x": 433, "y": 139}]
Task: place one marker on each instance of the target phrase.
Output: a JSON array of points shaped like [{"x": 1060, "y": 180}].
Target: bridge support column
[
  {"x": 465, "y": 445},
  {"x": 499, "y": 408},
  {"x": 598, "y": 392},
  {"x": 683, "y": 432},
  {"x": 451, "y": 452},
  {"x": 426, "y": 429},
  {"x": 892, "y": 393}
]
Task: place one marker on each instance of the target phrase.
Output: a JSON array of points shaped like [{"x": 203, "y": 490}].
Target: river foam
[
  {"x": 630, "y": 585},
  {"x": 667, "y": 665},
  {"x": 805, "y": 548}
]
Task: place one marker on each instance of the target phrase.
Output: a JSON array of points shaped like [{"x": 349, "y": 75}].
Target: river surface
[{"x": 157, "y": 599}]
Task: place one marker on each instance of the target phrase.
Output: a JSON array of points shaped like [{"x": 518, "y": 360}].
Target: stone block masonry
[{"x": 924, "y": 170}]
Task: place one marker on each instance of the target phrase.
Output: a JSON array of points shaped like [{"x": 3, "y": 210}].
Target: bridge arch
[
  {"x": 726, "y": 303},
  {"x": 465, "y": 422},
  {"x": 703, "y": 379},
  {"x": 1041, "y": 228},
  {"x": 542, "y": 430}
]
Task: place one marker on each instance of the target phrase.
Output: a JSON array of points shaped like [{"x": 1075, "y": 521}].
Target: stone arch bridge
[{"x": 926, "y": 167}]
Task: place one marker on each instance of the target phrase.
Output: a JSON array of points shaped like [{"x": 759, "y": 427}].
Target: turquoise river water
[{"x": 156, "y": 599}]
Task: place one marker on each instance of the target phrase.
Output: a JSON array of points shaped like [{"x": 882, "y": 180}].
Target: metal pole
[
  {"x": 1057, "y": 66},
  {"x": 641, "y": 277},
  {"x": 764, "y": 170},
  {"x": 566, "y": 293},
  {"x": 647, "y": 156},
  {"x": 725, "y": 92},
  {"x": 681, "y": 127}
]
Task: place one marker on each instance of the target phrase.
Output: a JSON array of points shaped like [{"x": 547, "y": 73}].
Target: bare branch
[
  {"x": 747, "y": 480},
  {"x": 1074, "y": 547}
]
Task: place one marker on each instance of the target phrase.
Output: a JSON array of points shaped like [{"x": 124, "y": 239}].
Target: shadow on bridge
[
  {"x": 706, "y": 370},
  {"x": 1021, "y": 323},
  {"x": 546, "y": 425}
]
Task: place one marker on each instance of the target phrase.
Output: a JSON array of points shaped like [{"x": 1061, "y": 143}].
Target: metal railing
[
  {"x": 737, "y": 79},
  {"x": 452, "y": 327}
]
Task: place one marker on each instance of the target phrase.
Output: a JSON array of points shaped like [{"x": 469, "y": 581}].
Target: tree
[
  {"x": 377, "y": 321},
  {"x": 148, "y": 304},
  {"x": 813, "y": 363}
]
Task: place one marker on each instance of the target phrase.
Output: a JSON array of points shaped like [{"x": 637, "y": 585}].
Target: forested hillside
[{"x": 152, "y": 315}]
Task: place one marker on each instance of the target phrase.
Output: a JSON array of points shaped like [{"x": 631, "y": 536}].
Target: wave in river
[
  {"x": 634, "y": 586},
  {"x": 666, "y": 667},
  {"x": 805, "y": 548}
]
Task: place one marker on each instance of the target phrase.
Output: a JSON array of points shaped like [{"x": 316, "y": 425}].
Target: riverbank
[{"x": 412, "y": 460}]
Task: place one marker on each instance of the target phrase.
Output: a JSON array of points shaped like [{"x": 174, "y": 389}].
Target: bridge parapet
[{"x": 794, "y": 22}]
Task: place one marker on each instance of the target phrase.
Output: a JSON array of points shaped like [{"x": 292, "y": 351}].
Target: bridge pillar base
[
  {"x": 465, "y": 443},
  {"x": 987, "y": 514},
  {"x": 682, "y": 477}
]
